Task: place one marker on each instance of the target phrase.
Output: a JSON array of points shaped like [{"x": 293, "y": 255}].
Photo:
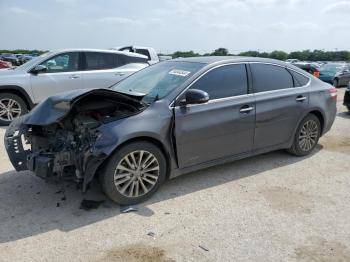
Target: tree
[
  {"x": 280, "y": 55},
  {"x": 220, "y": 52}
]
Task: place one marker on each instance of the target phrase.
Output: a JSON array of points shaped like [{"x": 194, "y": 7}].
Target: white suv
[{"x": 54, "y": 72}]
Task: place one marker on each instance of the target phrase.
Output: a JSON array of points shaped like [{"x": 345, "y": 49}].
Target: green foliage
[
  {"x": 220, "y": 52},
  {"x": 184, "y": 54},
  {"x": 305, "y": 55}
]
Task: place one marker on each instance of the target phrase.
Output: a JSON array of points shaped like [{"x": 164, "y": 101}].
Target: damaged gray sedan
[{"x": 169, "y": 119}]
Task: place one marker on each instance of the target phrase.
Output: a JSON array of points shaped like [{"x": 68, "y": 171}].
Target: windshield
[
  {"x": 331, "y": 68},
  {"x": 158, "y": 80}
]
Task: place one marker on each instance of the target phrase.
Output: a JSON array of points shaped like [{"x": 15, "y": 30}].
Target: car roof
[
  {"x": 228, "y": 59},
  {"x": 99, "y": 50}
]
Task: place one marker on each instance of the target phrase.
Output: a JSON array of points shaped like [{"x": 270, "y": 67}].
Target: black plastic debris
[
  {"x": 90, "y": 204},
  {"x": 57, "y": 204},
  {"x": 38, "y": 193},
  {"x": 64, "y": 198},
  {"x": 127, "y": 209},
  {"x": 151, "y": 234},
  {"x": 204, "y": 248}
]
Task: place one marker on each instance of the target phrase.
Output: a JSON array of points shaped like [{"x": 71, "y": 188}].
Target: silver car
[{"x": 55, "y": 72}]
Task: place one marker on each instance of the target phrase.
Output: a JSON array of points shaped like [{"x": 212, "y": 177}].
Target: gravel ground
[{"x": 272, "y": 207}]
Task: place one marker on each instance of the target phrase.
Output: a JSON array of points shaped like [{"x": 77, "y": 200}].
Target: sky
[{"x": 171, "y": 25}]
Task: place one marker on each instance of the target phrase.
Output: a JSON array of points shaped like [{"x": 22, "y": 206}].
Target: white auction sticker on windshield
[{"x": 178, "y": 72}]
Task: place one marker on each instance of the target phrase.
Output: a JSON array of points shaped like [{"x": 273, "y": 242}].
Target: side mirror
[
  {"x": 195, "y": 96},
  {"x": 38, "y": 69}
]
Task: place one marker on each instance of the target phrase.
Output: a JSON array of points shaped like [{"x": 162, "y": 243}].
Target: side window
[
  {"x": 270, "y": 77},
  {"x": 125, "y": 59},
  {"x": 299, "y": 79},
  {"x": 66, "y": 62},
  {"x": 224, "y": 81},
  {"x": 143, "y": 52},
  {"x": 100, "y": 61}
]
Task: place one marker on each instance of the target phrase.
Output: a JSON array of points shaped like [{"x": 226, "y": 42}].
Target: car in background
[
  {"x": 170, "y": 119},
  {"x": 347, "y": 98},
  {"x": 329, "y": 71},
  {"x": 150, "y": 52},
  {"x": 24, "y": 58},
  {"x": 10, "y": 58},
  {"x": 311, "y": 68},
  {"x": 5, "y": 64},
  {"x": 292, "y": 61},
  {"x": 55, "y": 72},
  {"x": 342, "y": 78}
]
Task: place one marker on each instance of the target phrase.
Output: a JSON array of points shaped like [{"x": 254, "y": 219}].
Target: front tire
[
  {"x": 306, "y": 137},
  {"x": 134, "y": 173},
  {"x": 11, "y": 107}
]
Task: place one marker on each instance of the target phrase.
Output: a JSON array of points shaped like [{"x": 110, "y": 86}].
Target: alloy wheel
[
  {"x": 308, "y": 135},
  {"x": 9, "y": 109},
  {"x": 136, "y": 174}
]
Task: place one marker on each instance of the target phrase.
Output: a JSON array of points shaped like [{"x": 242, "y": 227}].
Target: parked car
[
  {"x": 5, "y": 64},
  {"x": 25, "y": 58},
  {"x": 342, "y": 78},
  {"x": 172, "y": 118},
  {"x": 308, "y": 67},
  {"x": 55, "y": 72},
  {"x": 150, "y": 52},
  {"x": 292, "y": 61},
  {"x": 10, "y": 58},
  {"x": 329, "y": 70},
  {"x": 347, "y": 97}
]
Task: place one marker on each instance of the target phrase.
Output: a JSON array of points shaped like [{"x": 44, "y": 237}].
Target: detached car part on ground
[{"x": 169, "y": 119}]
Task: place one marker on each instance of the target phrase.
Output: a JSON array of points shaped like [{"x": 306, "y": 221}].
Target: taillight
[
  {"x": 333, "y": 93},
  {"x": 316, "y": 73}
]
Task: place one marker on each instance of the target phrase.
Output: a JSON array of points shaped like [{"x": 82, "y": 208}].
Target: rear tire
[
  {"x": 11, "y": 107},
  {"x": 306, "y": 136},
  {"x": 348, "y": 107},
  {"x": 134, "y": 173}
]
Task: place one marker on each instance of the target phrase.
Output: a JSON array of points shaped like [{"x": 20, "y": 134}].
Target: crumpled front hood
[{"x": 54, "y": 108}]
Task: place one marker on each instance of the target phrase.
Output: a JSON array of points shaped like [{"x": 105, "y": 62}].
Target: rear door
[
  {"x": 222, "y": 127},
  {"x": 281, "y": 101},
  {"x": 63, "y": 74},
  {"x": 101, "y": 69}
]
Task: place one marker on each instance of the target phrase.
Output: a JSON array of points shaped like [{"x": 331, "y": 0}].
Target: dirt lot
[{"x": 273, "y": 207}]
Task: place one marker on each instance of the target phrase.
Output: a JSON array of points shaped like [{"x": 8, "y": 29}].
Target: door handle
[
  {"x": 74, "y": 76},
  {"x": 119, "y": 74},
  {"x": 300, "y": 98},
  {"x": 246, "y": 109}
]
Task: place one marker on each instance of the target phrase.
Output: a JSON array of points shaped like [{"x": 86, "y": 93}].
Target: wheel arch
[
  {"x": 151, "y": 140},
  {"x": 320, "y": 117},
  {"x": 19, "y": 91}
]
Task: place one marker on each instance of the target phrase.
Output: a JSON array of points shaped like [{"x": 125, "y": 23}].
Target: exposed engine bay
[{"x": 65, "y": 149}]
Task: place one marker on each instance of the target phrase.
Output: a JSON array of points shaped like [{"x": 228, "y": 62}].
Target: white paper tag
[{"x": 179, "y": 72}]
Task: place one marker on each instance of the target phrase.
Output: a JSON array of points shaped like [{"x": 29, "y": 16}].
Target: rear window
[
  {"x": 270, "y": 77},
  {"x": 299, "y": 79},
  {"x": 100, "y": 61}
]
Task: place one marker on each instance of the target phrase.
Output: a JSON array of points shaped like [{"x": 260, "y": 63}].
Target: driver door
[
  {"x": 62, "y": 75},
  {"x": 222, "y": 127}
]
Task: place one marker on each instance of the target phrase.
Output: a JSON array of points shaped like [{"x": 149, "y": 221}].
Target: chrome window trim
[{"x": 171, "y": 106}]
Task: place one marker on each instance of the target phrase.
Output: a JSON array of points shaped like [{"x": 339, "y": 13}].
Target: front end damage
[{"x": 58, "y": 139}]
